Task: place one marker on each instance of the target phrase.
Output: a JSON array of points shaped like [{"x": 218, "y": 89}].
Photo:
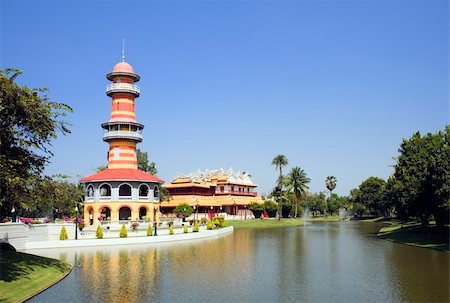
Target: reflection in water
[{"x": 333, "y": 262}]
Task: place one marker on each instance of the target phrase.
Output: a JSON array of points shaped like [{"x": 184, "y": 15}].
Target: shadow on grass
[
  {"x": 429, "y": 237},
  {"x": 16, "y": 265}
]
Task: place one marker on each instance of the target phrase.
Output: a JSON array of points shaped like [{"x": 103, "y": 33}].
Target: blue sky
[{"x": 333, "y": 85}]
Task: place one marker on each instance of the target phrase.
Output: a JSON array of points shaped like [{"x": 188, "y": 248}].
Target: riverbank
[
  {"x": 23, "y": 275},
  {"x": 414, "y": 234},
  {"x": 264, "y": 223}
]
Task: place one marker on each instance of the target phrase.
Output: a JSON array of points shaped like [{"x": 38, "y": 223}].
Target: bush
[
  {"x": 203, "y": 220},
  {"x": 63, "y": 235},
  {"x": 209, "y": 226},
  {"x": 256, "y": 208},
  {"x": 271, "y": 208},
  {"x": 149, "y": 230},
  {"x": 171, "y": 232},
  {"x": 216, "y": 222},
  {"x": 222, "y": 222},
  {"x": 185, "y": 230},
  {"x": 123, "y": 232},
  {"x": 196, "y": 228},
  {"x": 99, "y": 232},
  {"x": 170, "y": 223}
]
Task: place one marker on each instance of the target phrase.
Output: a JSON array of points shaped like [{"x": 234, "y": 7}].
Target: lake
[{"x": 319, "y": 262}]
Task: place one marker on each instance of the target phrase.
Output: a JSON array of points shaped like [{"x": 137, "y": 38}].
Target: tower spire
[{"x": 123, "y": 49}]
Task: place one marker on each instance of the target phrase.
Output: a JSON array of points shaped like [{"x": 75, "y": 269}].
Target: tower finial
[{"x": 123, "y": 49}]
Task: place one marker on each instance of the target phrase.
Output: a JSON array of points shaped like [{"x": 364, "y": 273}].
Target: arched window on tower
[
  {"x": 124, "y": 191},
  {"x": 105, "y": 191},
  {"x": 143, "y": 190}
]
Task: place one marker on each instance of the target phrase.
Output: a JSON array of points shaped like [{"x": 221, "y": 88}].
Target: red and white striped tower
[{"x": 122, "y": 132}]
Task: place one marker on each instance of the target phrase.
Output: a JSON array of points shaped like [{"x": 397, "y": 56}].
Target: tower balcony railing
[
  {"x": 121, "y": 134},
  {"x": 235, "y": 192},
  {"x": 123, "y": 88}
]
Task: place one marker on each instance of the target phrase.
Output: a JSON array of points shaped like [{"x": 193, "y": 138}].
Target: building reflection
[{"x": 124, "y": 275}]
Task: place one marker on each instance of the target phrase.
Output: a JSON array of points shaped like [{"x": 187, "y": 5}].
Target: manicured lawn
[
  {"x": 417, "y": 235},
  {"x": 324, "y": 219},
  {"x": 23, "y": 275},
  {"x": 265, "y": 223}
]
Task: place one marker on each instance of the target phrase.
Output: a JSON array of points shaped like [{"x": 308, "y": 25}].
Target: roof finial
[{"x": 123, "y": 49}]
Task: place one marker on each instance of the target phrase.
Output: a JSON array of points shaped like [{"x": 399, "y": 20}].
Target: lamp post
[
  {"x": 245, "y": 211},
  {"x": 194, "y": 207},
  {"x": 76, "y": 222},
  {"x": 211, "y": 212},
  {"x": 13, "y": 214},
  {"x": 155, "y": 224}
]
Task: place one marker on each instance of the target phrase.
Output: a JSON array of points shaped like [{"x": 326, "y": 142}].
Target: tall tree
[
  {"x": 279, "y": 162},
  {"x": 297, "y": 183},
  {"x": 372, "y": 194},
  {"x": 144, "y": 164},
  {"x": 420, "y": 185},
  {"x": 330, "y": 182},
  {"x": 29, "y": 121}
]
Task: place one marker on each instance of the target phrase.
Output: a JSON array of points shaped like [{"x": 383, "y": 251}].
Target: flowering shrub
[
  {"x": 134, "y": 225},
  {"x": 46, "y": 220},
  {"x": 26, "y": 220},
  {"x": 66, "y": 219},
  {"x": 99, "y": 218}
]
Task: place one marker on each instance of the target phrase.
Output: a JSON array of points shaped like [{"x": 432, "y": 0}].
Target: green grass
[
  {"x": 24, "y": 275},
  {"x": 414, "y": 234},
  {"x": 324, "y": 219},
  {"x": 266, "y": 223}
]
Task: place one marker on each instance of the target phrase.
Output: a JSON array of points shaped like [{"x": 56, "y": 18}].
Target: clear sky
[{"x": 333, "y": 85}]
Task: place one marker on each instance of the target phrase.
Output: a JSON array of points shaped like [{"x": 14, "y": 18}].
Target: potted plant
[{"x": 134, "y": 225}]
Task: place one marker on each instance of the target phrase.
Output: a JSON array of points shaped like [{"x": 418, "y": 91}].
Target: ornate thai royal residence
[
  {"x": 212, "y": 192},
  {"x": 121, "y": 192}
]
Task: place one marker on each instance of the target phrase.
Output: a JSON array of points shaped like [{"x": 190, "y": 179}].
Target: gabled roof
[{"x": 121, "y": 174}]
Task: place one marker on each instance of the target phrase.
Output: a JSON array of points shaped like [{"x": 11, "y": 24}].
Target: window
[
  {"x": 105, "y": 190},
  {"x": 90, "y": 191},
  {"x": 125, "y": 190},
  {"x": 143, "y": 190},
  {"x": 116, "y": 153}
]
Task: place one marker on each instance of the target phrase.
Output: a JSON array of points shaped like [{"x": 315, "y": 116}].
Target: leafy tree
[
  {"x": 315, "y": 202},
  {"x": 144, "y": 164},
  {"x": 183, "y": 210},
  {"x": 330, "y": 183},
  {"x": 420, "y": 185},
  {"x": 297, "y": 183},
  {"x": 279, "y": 162},
  {"x": 271, "y": 208},
  {"x": 256, "y": 208},
  {"x": 29, "y": 121},
  {"x": 372, "y": 194}
]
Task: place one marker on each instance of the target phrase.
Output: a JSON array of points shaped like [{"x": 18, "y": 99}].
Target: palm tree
[
  {"x": 297, "y": 183},
  {"x": 330, "y": 182},
  {"x": 280, "y": 161}
]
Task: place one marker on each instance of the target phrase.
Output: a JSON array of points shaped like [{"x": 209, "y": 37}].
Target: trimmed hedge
[
  {"x": 63, "y": 235},
  {"x": 99, "y": 232},
  {"x": 123, "y": 232}
]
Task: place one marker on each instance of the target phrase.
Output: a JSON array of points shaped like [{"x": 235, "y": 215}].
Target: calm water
[{"x": 335, "y": 262}]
